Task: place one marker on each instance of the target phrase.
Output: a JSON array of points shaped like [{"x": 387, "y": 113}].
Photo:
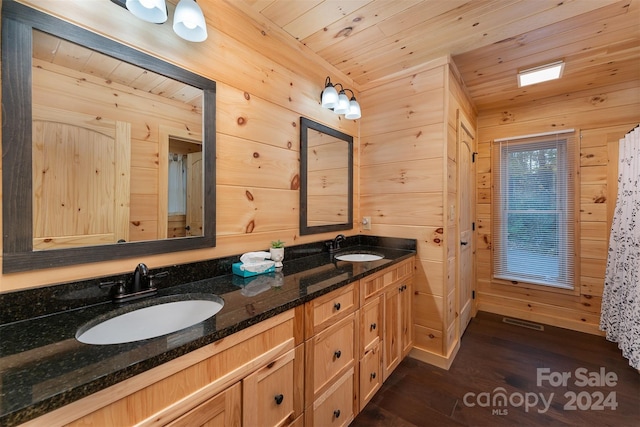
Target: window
[{"x": 533, "y": 213}]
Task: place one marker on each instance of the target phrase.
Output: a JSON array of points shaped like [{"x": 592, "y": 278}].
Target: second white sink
[
  {"x": 358, "y": 257},
  {"x": 150, "y": 322}
]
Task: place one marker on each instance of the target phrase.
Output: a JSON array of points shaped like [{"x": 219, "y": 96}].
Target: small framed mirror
[
  {"x": 107, "y": 152},
  {"x": 326, "y": 179}
]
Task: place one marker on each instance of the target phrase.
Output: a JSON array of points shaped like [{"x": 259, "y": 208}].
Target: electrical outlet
[{"x": 366, "y": 223}]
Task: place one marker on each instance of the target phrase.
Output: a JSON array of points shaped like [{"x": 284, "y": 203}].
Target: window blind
[{"x": 533, "y": 212}]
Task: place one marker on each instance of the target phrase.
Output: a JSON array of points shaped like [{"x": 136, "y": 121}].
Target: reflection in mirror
[
  {"x": 119, "y": 158},
  {"x": 89, "y": 152},
  {"x": 326, "y": 177}
]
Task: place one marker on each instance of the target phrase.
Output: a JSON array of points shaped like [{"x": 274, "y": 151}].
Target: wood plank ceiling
[{"x": 372, "y": 41}]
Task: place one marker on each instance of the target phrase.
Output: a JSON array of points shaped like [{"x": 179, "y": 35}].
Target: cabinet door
[
  {"x": 406, "y": 324},
  {"x": 222, "y": 410},
  {"x": 336, "y": 406},
  {"x": 392, "y": 341},
  {"x": 370, "y": 375},
  {"x": 328, "y": 354},
  {"x": 268, "y": 394},
  {"x": 370, "y": 325}
]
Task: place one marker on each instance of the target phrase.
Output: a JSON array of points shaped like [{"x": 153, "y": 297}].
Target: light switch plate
[{"x": 366, "y": 223}]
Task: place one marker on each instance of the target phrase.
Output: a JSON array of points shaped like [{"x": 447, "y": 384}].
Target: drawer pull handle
[
  {"x": 336, "y": 413},
  {"x": 373, "y": 326},
  {"x": 373, "y": 375},
  {"x": 336, "y": 306},
  {"x": 337, "y": 354},
  {"x": 279, "y": 399}
]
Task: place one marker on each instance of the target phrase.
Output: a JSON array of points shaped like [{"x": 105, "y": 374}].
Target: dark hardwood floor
[{"x": 499, "y": 360}]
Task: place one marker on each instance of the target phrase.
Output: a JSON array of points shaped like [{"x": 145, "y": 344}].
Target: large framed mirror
[
  {"x": 326, "y": 178},
  {"x": 107, "y": 152}
]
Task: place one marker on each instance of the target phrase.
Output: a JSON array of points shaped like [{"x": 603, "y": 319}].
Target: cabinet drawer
[
  {"x": 335, "y": 407},
  {"x": 370, "y": 375},
  {"x": 327, "y": 309},
  {"x": 330, "y": 353},
  {"x": 377, "y": 282},
  {"x": 223, "y": 409},
  {"x": 268, "y": 393},
  {"x": 370, "y": 325}
]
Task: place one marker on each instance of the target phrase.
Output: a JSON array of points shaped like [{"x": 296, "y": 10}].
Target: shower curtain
[{"x": 620, "y": 314}]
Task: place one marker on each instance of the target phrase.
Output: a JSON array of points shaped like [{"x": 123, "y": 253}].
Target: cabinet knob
[
  {"x": 336, "y": 413},
  {"x": 373, "y": 326},
  {"x": 336, "y": 306},
  {"x": 373, "y": 375},
  {"x": 337, "y": 354},
  {"x": 279, "y": 398}
]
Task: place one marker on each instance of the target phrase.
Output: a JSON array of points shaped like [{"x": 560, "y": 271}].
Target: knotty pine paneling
[
  {"x": 264, "y": 86},
  {"x": 602, "y": 117},
  {"x": 408, "y": 177},
  {"x": 402, "y": 145}
]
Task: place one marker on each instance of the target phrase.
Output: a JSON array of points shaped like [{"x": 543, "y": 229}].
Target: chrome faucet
[
  {"x": 139, "y": 286},
  {"x": 334, "y": 245}
]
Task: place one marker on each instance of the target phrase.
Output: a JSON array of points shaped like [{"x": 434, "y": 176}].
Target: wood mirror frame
[
  {"x": 345, "y": 208},
  {"x": 18, "y": 23}
]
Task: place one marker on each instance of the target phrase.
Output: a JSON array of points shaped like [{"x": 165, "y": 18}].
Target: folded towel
[
  {"x": 254, "y": 257},
  {"x": 258, "y": 267}
]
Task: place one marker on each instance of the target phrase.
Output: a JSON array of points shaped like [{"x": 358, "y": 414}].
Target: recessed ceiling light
[{"x": 541, "y": 73}]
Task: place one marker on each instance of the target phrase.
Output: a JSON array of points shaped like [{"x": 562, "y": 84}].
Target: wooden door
[
  {"x": 222, "y": 410},
  {"x": 392, "y": 341},
  {"x": 81, "y": 179},
  {"x": 268, "y": 394},
  {"x": 466, "y": 206},
  {"x": 406, "y": 321},
  {"x": 195, "y": 194}
]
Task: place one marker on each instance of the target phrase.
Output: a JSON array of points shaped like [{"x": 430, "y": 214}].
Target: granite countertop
[{"x": 43, "y": 366}]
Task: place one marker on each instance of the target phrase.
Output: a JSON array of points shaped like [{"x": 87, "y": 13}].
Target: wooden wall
[
  {"x": 264, "y": 84},
  {"x": 601, "y": 117},
  {"x": 408, "y": 143}
]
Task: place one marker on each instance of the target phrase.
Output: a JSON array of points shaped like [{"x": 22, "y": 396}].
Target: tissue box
[{"x": 235, "y": 267}]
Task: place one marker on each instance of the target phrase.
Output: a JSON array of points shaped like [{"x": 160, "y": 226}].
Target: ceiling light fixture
[
  {"x": 540, "y": 74},
  {"x": 188, "y": 19},
  {"x": 338, "y": 101}
]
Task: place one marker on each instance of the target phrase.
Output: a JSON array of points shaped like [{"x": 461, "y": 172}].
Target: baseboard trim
[
  {"x": 443, "y": 362},
  {"x": 573, "y": 325}
]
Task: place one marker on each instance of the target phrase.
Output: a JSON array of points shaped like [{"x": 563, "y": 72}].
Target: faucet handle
[
  {"x": 117, "y": 287},
  {"x": 157, "y": 276}
]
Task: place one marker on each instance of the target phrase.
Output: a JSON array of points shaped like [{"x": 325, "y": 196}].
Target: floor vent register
[{"x": 523, "y": 323}]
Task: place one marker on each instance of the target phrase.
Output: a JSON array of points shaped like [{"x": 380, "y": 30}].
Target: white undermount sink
[
  {"x": 150, "y": 321},
  {"x": 358, "y": 257}
]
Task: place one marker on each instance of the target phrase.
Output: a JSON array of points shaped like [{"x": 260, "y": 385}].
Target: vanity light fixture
[
  {"x": 540, "y": 74},
  {"x": 188, "y": 19},
  {"x": 154, "y": 11},
  {"x": 338, "y": 101}
]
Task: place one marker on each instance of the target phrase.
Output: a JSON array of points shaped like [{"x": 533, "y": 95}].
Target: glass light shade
[
  {"x": 329, "y": 96},
  {"x": 188, "y": 21},
  {"x": 154, "y": 11},
  {"x": 343, "y": 104},
  {"x": 354, "y": 110}
]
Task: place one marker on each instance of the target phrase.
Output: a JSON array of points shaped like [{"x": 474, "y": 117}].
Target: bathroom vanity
[{"x": 311, "y": 344}]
